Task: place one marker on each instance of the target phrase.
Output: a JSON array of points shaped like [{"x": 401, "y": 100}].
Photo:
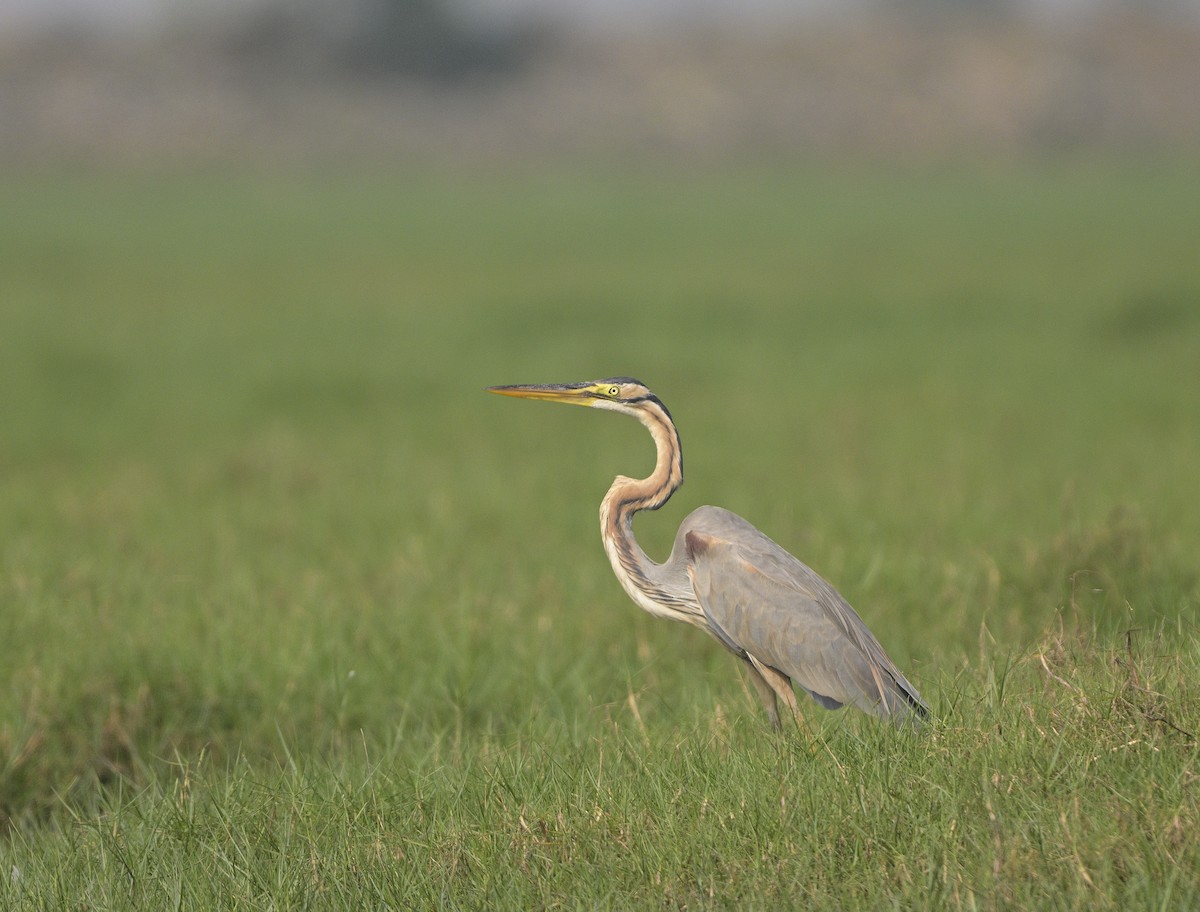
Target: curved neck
[
  {"x": 643, "y": 579},
  {"x": 627, "y": 495}
]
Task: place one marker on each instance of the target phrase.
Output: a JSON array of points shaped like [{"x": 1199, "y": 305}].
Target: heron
[{"x": 783, "y": 620}]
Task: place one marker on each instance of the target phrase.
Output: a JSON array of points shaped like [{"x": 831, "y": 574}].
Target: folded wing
[{"x": 762, "y": 601}]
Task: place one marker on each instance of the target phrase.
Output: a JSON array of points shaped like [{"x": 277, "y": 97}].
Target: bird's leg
[
  {"x": 765, "y": 693},
  {"x": 779, "y": 685}
]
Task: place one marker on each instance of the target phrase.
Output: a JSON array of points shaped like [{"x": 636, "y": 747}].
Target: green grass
[{"x": 292, "y": 615}]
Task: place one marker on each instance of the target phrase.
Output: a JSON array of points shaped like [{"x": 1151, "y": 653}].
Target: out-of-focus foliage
[
  {"x": 375, "y": 80},
  {"x": 422, "y": 39}
]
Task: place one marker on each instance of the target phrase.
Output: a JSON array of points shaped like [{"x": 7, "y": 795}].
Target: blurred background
[
  {"x": 133, "y": 81},
  {"x": 918, "y": 280}
]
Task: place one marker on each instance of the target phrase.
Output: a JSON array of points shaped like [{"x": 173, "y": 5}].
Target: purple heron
[{"x": 724, "y": 576}]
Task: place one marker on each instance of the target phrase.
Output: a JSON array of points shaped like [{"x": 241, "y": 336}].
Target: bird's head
[
  {"x": 622, "y": 394},
  {"x": 617, "y": 394}
]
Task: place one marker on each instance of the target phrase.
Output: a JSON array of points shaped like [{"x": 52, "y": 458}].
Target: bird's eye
[{"x": 614, "y": 391}]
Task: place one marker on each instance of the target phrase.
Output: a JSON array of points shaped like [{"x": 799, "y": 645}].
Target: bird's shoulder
[{"x": 714, "y": 533}]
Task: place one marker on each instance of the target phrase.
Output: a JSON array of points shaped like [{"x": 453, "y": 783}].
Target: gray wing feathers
[{"x": 763, "y": 601}]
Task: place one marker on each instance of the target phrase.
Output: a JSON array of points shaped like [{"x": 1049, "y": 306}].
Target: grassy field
[{"x": 293, "y": 615}]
